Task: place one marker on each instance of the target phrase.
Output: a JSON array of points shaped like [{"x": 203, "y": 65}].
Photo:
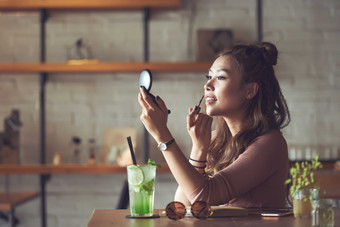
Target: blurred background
[{"x": 81, "y": 107}]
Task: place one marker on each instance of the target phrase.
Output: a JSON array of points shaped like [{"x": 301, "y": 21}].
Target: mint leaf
[{"x": 153, "y": 163}]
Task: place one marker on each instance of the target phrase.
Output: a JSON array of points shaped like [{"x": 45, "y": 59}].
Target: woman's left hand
[{"x": 154, "y": 117}]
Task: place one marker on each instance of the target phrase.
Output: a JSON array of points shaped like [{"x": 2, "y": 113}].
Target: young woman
[{"x": 244, "y": 162}]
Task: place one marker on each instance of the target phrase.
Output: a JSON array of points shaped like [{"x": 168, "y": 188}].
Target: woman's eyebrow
[{"x": 221, "y": 70}]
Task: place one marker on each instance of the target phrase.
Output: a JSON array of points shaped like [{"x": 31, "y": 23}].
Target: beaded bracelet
[{"x": 197, "y": 160}]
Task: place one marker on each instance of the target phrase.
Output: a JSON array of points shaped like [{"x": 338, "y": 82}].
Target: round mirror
[{"x": 145, "y": 79}]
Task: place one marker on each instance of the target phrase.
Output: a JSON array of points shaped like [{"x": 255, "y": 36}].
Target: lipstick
[
  {"x": 200, "y": 101},
  {"x": 198, "y": 106}
]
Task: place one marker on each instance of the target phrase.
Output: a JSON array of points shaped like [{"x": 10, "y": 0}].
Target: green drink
[{"x": 141, "y": 180}]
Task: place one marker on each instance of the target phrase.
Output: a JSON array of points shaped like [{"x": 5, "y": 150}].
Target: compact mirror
[{"x": 145, "y": 79}]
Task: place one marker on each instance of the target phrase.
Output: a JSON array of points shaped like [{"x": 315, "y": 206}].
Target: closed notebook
[{"x": 225, "y": 211}]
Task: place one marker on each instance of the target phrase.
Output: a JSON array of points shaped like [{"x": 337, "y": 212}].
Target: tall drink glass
[{"x": 141, "y": 180}]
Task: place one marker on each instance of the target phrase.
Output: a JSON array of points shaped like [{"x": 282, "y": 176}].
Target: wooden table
[
  {"x": 109, "y": 218},
  {"x": 10, "y": 200}
]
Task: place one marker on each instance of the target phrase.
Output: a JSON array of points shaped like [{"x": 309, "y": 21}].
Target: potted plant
[{"x": 303, "y": 188}]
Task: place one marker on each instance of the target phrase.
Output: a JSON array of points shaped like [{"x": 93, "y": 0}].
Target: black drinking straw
[{"x": 131, "y": 150}]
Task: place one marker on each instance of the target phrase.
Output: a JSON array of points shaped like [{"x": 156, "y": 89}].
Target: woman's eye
[{"x": 218, "y": 77}]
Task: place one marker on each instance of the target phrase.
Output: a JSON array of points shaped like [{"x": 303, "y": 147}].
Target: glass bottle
[
  {"x": 76, "y": 147},
  {"x": 323, "y": 213},
  {"x": 92, "y": 151}
]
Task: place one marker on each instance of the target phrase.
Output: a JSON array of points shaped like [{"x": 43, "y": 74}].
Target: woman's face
[{"x": 224, "y": 93}]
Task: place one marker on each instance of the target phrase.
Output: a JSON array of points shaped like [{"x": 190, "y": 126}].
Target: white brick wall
[{"x": 306, "y": 32}]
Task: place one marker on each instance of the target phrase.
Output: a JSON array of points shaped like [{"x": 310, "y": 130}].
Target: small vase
[{"x": 302, "y": 205}]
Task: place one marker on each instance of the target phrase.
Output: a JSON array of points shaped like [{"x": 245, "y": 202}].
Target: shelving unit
[{"x": 44, "y": 68}]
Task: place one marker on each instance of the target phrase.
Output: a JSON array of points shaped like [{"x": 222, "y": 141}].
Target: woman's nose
[{"x": 209, "y": 85}]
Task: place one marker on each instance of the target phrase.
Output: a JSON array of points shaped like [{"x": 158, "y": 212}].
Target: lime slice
[
  {"x": 135, "y": 188},
  {"x": 135, "y": 175}
]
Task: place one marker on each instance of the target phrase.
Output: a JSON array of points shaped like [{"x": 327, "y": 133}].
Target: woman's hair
[{"x": 266, "y": 110}]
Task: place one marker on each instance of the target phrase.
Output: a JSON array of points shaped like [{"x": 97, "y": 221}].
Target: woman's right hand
[
  {"x": 154, "y": 116},
  {"x": 199, "y": 129}
]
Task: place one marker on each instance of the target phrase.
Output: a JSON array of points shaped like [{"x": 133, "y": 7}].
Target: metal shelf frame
[{"x": 43, "y": 79}]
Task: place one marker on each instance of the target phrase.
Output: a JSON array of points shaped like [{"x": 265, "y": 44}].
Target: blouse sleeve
[{"x": 259, "y": 161}]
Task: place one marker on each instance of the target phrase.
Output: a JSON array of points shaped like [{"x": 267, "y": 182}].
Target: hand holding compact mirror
[{"x": 145, "y": 80}]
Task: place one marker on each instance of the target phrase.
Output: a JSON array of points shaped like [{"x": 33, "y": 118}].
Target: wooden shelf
[
  {"x": 81, "y": 168},
  {"x": 87, "y": 4},
  {"x": 104, "y": 67},
  {"x": 67, "y": 169}
]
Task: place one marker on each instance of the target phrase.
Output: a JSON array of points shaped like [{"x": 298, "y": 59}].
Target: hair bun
[{"x": 269, "y": 52}]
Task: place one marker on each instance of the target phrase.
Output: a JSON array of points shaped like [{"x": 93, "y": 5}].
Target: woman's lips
[{"x": 210, "y": 100}]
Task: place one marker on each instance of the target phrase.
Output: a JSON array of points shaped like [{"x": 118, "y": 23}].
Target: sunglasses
[{"x": 199, "y": 209}]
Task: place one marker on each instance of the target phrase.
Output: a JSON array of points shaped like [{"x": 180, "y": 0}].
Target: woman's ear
[{"x": 251, "y": 90}]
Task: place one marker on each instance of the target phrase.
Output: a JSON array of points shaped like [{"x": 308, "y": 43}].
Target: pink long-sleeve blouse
[{"x": 255, "y": 179}]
